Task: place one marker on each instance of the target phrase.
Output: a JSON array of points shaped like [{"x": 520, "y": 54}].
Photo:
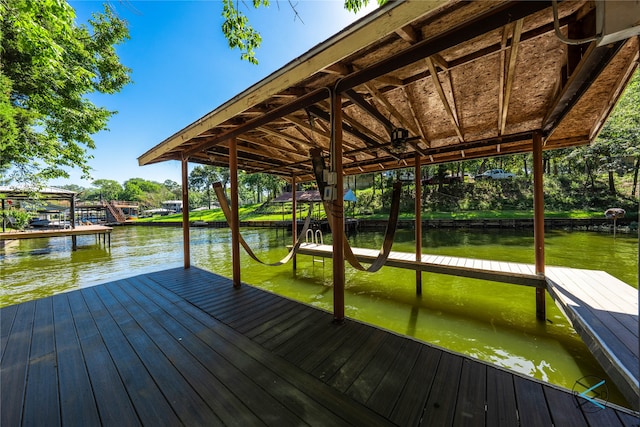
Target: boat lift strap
[
  {"x": 392, "y": 223},
  {"x": 222, "y": 199}
]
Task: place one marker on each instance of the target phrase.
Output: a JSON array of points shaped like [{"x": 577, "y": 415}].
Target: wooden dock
[
  {"x": 81, "y": 230},
  {"x": 497, "y": 271},
  {"x": 602, "y": 309},
  {"x": 604, "y": 312},
  {"x": 183, "y": 347}
]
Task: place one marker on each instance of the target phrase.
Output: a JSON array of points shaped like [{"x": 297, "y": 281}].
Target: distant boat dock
[{"x": 100, "y": 231}]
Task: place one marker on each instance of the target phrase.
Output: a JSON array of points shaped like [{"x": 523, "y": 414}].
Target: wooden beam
[
  {"x": 477, "y": 25},
  {"x": 271, "y": 150},
  {"x": 235, "y": 220},
  {"x": 381, "y": 98},
  {"x": 591, "y": 65},
  {"x": 316, "y": 131},
  {"x": 410, "y": 103},
  {"x": 538, "y": 221},
  {"x": 337, "y": 209},
  {"x": 185, "y": 213},
  {"x": 453, "y": 116},
  {"x": 510, "y": 75},
  {"x": 299, "y": 104},
  {"x": 358, "y": 100},
  {"x": 294, "y": 220},
  {"x": 337, "y": 69},
  {"x": 368, "y": 141},
  {"x": 297, "y": 144},
  {"x": 408, "y": 34},
  {"x": 418, "y": 214}
]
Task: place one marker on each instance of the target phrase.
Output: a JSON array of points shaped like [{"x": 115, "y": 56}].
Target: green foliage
[
  {"x": 241, "y": 35},
  {"x": 356, "y": 5},
  {"x": 107, "y": 189},
  {"x": 16, "y": 218},
  {"x": 47, "y": 67},
  {"x": 238, "y": 32}
]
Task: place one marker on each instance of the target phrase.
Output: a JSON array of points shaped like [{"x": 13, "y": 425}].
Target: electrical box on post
[
  {"x": 329, "y": 193},
  {"x": 329, "y": 177}
]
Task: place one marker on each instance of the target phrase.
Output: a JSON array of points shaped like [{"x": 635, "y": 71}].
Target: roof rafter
[
  {"x": 507, "y": 72},
  {"x": 453, "y": 116}
]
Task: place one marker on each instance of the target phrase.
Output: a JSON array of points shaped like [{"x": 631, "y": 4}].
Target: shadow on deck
[{"x": 185, "y": 347}]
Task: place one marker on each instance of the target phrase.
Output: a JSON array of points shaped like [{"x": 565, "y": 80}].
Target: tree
[
  {"x": 241, "y": 35},
  {"x": 107, "y": 189},
  {"x": 173, "y": 187},
  {"x": 202, "y": 177},
  {"x": 48, "y": 65}
]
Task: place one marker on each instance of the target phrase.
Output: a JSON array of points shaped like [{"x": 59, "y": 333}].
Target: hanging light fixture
[{"x": 399, "y": 138}]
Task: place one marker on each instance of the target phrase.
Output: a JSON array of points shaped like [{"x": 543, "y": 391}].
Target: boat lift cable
[
  {"x": 224, "y": 205},
  {"x": 392, "y": 223}
]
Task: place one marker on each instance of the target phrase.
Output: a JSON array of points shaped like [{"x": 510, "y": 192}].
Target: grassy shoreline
[{"x": 249, "y": 213}]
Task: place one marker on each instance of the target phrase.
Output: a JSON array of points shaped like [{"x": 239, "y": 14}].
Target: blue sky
[{"x": 183, "y": 68}]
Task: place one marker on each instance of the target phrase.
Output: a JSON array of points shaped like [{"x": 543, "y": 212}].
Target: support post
[
  {"x": 72, "y": 212},
  {"x": 3, "y": 219},
  {"x": 185, "y": 213},
  {"x": 418, "y": 224},
  {"x": 337, "y": 208},
  {"x": 235, "y": 219},
  {"x": 294, "y": 219},
  {"x": 538, "y": 221}
]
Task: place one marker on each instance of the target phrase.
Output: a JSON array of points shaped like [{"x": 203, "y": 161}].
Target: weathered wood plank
[
  {"x": 260, "y": 315},
  {"x": 470, "y": 405},
  {"x": 563, "y": 408},
  {"x": 41, "y": 403},
  {"x": 532, "y": 406},
  {"x": 238, "y": 307},
  {"x": 80, "y": 408},
  {"x": 346, "y": 374},
  {"x": 370, "y": 376},
  {"x": 328, "y": 366},
  {"x": 278, "y": 324},
  {"x": 386, "y": 394},
  {"x": 298, "y": 328},
  {"x": 502, "y": 409},
  {"x": 13, "y": 370},
  {"x": 108, "y": 391},
  {"x": 441, "y": 404},
  {"x": 313, "y": 357},
  {"x": 307, "y": 339},
  {"x": 148, "y": 400},
  {"x": 188, "y": 406},
  {"x": 410, "y": 404},
  {"x": 245, "y": 400},
  {"x": 192, "y": 360},
  {"x": 7, "y": 315},
  {"x": 347, "y": 410}
]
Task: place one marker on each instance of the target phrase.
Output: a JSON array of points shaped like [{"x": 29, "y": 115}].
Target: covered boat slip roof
[{"x": 466, "y": 79}]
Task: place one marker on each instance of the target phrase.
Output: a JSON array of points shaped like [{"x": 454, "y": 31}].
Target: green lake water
[{"x": 490, "y": 321}]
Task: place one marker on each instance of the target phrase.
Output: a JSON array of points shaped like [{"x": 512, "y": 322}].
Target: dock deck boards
[
  {"x": 508, "y": 272},
  {"x": 80, "y": 230},
  {"x": 183, "y": 347},
  {"x": 602, "y": 309}
]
